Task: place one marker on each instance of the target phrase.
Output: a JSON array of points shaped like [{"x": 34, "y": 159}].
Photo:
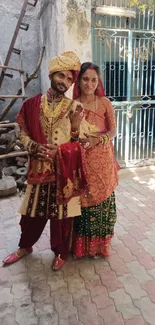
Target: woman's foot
[
  {"x": 96, "y": 257},
  {"x": 16, "y": 256},
  {"x": 57, "y": 263},
  {"x": 106, "y": 251}
]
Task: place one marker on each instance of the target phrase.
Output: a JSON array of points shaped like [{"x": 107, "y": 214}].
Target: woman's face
[{"x": 89, "y": 82}]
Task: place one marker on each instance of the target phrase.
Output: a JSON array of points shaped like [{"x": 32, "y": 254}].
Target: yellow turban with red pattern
[{"x": 67, "y": 61}]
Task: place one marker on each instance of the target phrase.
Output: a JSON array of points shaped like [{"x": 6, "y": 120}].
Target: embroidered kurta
[{"x": 40, "y": 124}]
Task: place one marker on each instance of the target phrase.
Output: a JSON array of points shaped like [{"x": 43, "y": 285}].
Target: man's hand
[
  {"x": 47, "y": 152},
  {"x": 76, "y": 117},
  {"x": 90, "y": 141}
]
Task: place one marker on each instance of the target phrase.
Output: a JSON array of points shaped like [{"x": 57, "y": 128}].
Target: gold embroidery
[
  {"x": 25, "y": 139},
  {"x": 35, "y": 201},
  {"x": 49, "y": 109},
  {"x": 68, "y": 60},
  {"x": 24, "y": 205},
  {"x": 73, "y": 206},
  {"x": 40, "y": 166},
  {"x": 68, "y": 189},
  {"x": 21, "y": 122},
  {"x": 60, "y": 212},
  {"x": 92, "y": 218}
]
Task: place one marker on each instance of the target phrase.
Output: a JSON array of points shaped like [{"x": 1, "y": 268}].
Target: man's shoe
[
  {"x": 14, "y": 257},
  {"x": 57, "y": 263}
]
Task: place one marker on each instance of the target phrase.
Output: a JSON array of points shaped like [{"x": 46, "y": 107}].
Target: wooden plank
[
  {"x": 22, "y": 84},
  {"x": 14, "y": 154},
  {"x": 33, "y": 4},
  {"x": 22, "y": 14},
  {"x": 12, "y": 96},
  {"x": 5, "y": 67},
  {"x": 6, "y": 122},
  {"x": 8, "y": 125}
]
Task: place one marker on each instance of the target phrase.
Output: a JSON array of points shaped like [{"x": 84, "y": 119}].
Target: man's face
[{"x": 61, "y": 81}]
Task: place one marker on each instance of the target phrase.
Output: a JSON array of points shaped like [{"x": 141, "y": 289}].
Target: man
[{"x": 46, "y": 122}]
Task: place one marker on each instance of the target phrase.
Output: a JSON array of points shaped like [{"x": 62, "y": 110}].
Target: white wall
[
  {"x": 58, "y": 24},
  {"x": 65, "y": 25},
  {"x": 28, "y": 41},
  {"x": 51, "y": 35},
  {"x": 76, "y": 17}
]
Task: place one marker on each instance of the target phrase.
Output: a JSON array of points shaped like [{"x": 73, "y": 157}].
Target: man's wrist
[
  {"x": 75, "y": 131},
  {"x": 33, "y": 147},
  {"x": 74, "y": 134},
  {"x": 74, "y": 128}
]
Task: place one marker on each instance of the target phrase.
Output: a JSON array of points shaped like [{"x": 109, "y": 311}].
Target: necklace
[
  {"x": 51, "y": 119},
  {"x": 53, "y": 110},
  {"x": 94, "y": 101},
  {"x": 54, "y": 97}
]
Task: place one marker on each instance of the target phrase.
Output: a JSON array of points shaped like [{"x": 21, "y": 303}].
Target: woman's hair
[
  {"x": 88, "y": 65},
  {"x": 84, "y": 67}
]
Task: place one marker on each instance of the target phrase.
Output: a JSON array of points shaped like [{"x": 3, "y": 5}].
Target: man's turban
[{"x": 67, "y": 61}]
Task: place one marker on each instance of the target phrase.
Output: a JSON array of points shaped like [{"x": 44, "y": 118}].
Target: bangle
[
  {"x": 74, "y": 139},
  {"x": 104, "y": 138},
  {"x": 74, "y": 134},
  {"x": 32, "y": 147}
]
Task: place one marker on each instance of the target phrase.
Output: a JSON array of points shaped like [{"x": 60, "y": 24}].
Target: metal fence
[{"x": 125, "y": 51}]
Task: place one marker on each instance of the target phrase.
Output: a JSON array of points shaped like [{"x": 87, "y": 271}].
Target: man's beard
[{"x": 55, "y": 86}]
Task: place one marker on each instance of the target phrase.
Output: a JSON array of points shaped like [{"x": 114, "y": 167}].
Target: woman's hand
[
  {"x": 76, "y": 117},
  {"x": 46, "y": 152},
  {"x": 90, "y": 141}
]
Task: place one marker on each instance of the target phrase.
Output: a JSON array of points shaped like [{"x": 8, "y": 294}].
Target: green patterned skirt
[{"x": 94, "y": 229}]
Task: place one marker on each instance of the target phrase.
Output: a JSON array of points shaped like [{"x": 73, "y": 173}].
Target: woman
[{"x": 94, "y": 229}]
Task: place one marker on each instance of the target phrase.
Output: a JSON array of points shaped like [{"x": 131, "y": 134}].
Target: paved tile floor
[{"x": 117, "y": 291}]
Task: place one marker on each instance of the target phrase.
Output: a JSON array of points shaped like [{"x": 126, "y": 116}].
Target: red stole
[
  {"x": 70, "y": 172},
  {"x": 28, "y": 119}
]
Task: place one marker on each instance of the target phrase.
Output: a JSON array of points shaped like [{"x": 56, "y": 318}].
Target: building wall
[
  {"x": 65, "y": 26},
  {"x": 51, "y": 35},
  {"x": 28, "y": 41},
  {"x": 58, "y": 24},
  {"x": 76, "y": 18}
]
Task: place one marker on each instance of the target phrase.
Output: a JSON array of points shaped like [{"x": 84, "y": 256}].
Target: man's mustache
[{"x": 62, "y": 85}]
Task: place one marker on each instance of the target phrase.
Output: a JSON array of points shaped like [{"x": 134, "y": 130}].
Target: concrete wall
[
  {"x": 27, "y": 41},
  {"x": 51, "y": 35},
  {"x": 65, "y": 25},
  {"x": 58, "y": 24},
  {"x": 76, "y": 17}
]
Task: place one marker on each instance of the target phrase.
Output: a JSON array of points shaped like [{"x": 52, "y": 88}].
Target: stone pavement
[{"x": 117, "y": 291}]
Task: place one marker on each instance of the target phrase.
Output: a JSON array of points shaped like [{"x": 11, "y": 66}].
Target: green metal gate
[{"x": 124, "y": 48}]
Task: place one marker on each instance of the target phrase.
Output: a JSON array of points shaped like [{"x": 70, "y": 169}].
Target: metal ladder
[{"x": 12, "y": 49}]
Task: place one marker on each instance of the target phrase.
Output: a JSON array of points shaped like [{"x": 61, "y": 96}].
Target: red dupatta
[
  {"x": 28, "y": 119},
  {"x": 70, "y": 172},
  {"x": 99, "y": 92}
]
